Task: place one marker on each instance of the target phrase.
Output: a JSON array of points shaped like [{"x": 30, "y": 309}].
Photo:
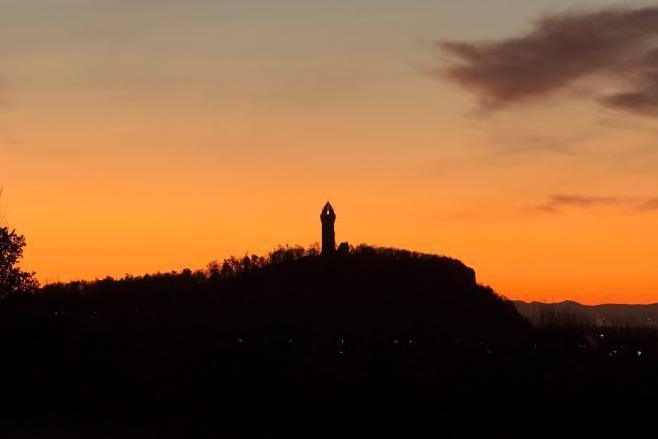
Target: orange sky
[{"x": 135, "y": 140}]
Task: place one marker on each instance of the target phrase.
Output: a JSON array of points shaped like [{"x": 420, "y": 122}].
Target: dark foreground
[
  {"x": 386, "y": 345},
  {"x": 178, "y": 383}
]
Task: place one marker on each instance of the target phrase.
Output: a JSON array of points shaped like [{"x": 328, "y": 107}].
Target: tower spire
[{"x": 328, "y": 217}]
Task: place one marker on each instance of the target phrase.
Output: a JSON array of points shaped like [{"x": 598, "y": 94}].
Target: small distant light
[
  {"x": 639, "y": 353},
  {"x": 395, "y": 341},
  {"x": 290, "y": 340},
  {"x": 240, "y": 340},
  {"x": 601, "y": 335}
]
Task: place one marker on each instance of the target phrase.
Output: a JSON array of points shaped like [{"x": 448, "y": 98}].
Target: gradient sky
[{"x": 150, "y": 135}]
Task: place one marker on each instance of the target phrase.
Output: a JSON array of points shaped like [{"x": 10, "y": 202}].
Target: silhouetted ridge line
[
  {"x": 366, "y": 292},
  {"x": 605, "y": 315}
]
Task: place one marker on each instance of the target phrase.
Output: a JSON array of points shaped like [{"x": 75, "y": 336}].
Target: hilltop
[{"x": 369, "y": 292}]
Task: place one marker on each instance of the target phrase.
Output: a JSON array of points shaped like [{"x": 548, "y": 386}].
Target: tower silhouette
[{"x": 328, "y": 217}]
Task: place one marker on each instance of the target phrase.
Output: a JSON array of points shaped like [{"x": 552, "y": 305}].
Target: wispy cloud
[
  {"x": 562, "y": 202},
  {"x": 618, "y": 44},
  {"x": 648, "y": 205},
  {"x": 9, "y": 141},
  {"x": 556, "y": 203}
]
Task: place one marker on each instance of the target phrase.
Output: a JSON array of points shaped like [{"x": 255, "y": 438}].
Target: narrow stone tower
[{"x": 328, "y": 217}]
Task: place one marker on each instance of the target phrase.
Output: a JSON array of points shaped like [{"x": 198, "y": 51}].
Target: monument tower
[{"x": 328, "y": 217}]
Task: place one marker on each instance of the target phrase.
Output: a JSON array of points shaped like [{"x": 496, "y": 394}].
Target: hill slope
[{"x": 370, "y": 292}]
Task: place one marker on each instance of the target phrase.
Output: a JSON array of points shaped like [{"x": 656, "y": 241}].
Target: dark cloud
[
  {"x": 559, "y": 203},
  {"x": 644, "y": 99},
  {"x": 618, "y": 44}
]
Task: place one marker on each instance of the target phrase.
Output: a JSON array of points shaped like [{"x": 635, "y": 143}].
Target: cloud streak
[
  {"x": 561, "y": 202},
  {"x": 620, "y": 45}
]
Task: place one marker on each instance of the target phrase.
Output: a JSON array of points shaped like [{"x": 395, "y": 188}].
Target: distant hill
[{"x": 569, "y": 312}]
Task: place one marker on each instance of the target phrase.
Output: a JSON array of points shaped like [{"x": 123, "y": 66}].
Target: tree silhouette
[{"x": 12, "y": 278}]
